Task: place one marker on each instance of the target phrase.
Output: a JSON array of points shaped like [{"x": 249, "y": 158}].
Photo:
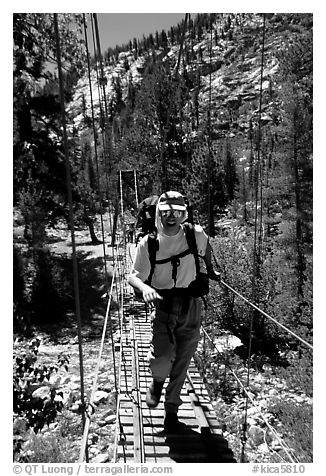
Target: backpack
[
  {"x": 145, "y": 222},
  {"x": 197, "y": 288}
]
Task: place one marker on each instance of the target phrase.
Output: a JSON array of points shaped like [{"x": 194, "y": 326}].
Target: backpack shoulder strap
[
  {"x": 152, "y": 243},
  {"x": 153, "y": 246},
  {"x": 191, "y": 240}
]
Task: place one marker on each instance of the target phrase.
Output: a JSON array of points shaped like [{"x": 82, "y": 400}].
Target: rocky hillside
[{"x": 227, "y": 59}]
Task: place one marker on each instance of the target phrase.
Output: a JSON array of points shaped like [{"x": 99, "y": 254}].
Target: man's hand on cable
[{"x": 149, "y": 294}]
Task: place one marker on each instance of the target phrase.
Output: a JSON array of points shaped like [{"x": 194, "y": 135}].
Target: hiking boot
[
  {"x": 154, "y": 393},
  {"x": 172, "y": 425}
]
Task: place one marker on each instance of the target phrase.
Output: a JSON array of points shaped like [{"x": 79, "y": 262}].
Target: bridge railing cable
[
  {"x": 90, "y": 410},
  {"x": 245, "y": 388},
  {"x": 286, "y": 450},
  {"x": 115, "y": 282},
  {"x": 266, "y": 315},
  {"x": 119, "y": 430},
  {"x": 254, "y": 306}
]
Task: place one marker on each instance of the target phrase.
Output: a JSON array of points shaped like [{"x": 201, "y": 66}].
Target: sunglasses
[{"x": 175, "y": 213}]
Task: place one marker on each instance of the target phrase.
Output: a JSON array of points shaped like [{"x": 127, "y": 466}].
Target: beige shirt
[{"x": 170, "y": 246}]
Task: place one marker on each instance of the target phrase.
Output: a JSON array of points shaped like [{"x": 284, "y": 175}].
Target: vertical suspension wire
[
  {"x": 103, "y": 115},
  {"x": 119, "y": 430},
  {"x": 258, "y": 163},
  {"x": 101, "y": 212},
  {"x": 260, "y": 138},
  {"x": 71, "y": 221},
  {"x": 99, "y": 53},
  {"x": 209, "y": 143},
  {"x": 116, "y": 264},
  {"x": 136, "y": 189},
  {"x": 122, "y": 210},
  {"x": 106, "y": 141},
  {"x": 120, "y": 301},
  {"x": 101, "y": 82},
  {"x": 96, "y": 157},
  {"x": 128, "y": 392},
  {"x": 255, "y": 257},
  {"x": 123, "y": 254}
]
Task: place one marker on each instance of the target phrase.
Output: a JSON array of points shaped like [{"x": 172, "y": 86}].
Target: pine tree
[
  {"x": 196, "y": 182},
  {"x": 231, "y": 179},
  {"x": 296, "y": 72},
  {"x": 38, "y": 157},
  {"x": 163, "y": 40}
]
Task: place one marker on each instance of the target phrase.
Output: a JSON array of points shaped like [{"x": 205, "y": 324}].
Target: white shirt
[{"x": 170, "y": 246}]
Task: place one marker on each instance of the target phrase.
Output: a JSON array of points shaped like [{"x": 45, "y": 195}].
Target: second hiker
[{"x": 172, "y": 270}]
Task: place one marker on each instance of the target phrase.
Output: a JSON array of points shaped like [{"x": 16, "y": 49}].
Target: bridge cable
[
  {"x": 245, "y": 390},
  {"x": 98, "y": 175},
  {"x": 136, "y": 189},
  {"x": 210, "y": 216},
  {"x": 109, "y": 293},
  {"x": 267, "y": 315},
  {"x": 122, "y": 362},
  {"x": 96, "y": 154},
  {"x": 97, "y": 368},
  {"x": 71, "y": 219},
  {"x": 102, "y": 82},
  {"x": 120, "y": 267},
  {"x": 122, "y": 209},
  {"x": 102, "y": 99},
  {"x": 255, "y": 268}
]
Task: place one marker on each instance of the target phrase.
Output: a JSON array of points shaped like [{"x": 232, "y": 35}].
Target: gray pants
[{"x": 176, "y": 332}]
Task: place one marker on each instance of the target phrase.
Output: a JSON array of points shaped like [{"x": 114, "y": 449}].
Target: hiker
[{"x": 174, "y": 280}]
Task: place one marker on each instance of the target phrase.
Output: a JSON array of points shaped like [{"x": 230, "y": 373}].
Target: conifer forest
[{"x": 218, "y": 107}]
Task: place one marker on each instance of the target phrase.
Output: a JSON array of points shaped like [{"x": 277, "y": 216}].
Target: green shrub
[
  {"x": 275, "y": 293},
  {"x": 32, "y": 410},
  {"x": 297, "y": 423},
  {"x": 299, "y": 373},
  {"x": 48, "y": 448}
]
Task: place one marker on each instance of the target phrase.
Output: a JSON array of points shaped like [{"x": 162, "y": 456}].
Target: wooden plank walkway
[{"x": 141, "y": 436}]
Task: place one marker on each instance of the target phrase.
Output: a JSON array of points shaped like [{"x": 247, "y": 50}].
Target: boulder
[
  {"x": 108, "y": 413},
  {"x": 110, "y": 419},
  {"x": 43, "y": 392},
  {"x": 75, "y": 408},
  {"x": 100, "y": 397},
  {"x": 101, "y": 458},
  {"x": 256, "y": 435}
]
